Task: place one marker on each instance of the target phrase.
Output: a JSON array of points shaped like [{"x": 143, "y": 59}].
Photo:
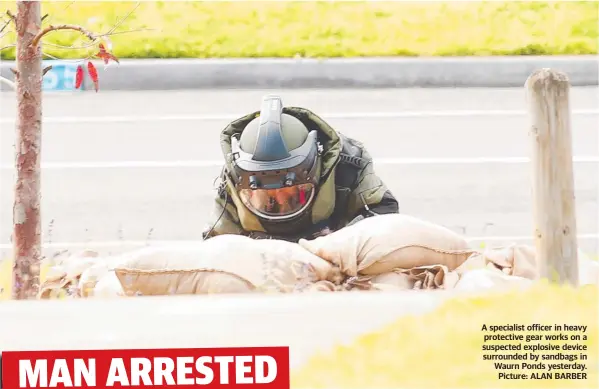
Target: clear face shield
[{"x": 281, "y": 203}]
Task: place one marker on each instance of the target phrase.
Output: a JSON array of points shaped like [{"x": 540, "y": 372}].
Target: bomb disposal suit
[{"x": 289, "y": 175}]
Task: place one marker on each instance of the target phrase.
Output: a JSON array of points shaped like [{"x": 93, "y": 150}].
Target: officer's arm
[
  {"x": 224, "y": 219},
  {"x": 370, "y": 196}
]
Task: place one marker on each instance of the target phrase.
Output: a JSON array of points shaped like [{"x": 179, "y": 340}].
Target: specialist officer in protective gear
[{"x": 289, "y": 175}]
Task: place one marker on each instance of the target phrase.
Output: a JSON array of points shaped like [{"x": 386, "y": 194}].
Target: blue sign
[{"x": 61, "y": 77}]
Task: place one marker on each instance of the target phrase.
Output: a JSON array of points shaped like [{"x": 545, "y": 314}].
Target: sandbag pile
[
  {"x": 387, "y": 252},
  {"x": 223, "y": 264},
  {"x": 403, "y": 252}
]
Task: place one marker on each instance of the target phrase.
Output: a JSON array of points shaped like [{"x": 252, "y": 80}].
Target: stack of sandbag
[
  {"x": 395, "y": 250},
  {"x": 223, "y": 264}
]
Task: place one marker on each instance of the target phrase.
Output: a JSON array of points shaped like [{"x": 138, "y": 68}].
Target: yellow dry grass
[{"x": 443, "y": 349}]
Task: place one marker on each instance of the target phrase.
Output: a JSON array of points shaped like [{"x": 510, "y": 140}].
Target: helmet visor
[{"x": 278, "y": 203}]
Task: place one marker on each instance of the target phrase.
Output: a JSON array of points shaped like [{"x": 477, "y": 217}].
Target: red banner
[{"x": 264, "y": 367}]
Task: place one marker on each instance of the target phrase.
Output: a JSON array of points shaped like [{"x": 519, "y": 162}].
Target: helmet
[{"x": 276, "y": 164}]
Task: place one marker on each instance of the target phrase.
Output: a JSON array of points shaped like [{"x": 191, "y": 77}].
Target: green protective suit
[{"x": 349, "y": 189}]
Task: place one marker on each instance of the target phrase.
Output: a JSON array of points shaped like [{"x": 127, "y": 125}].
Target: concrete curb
[{"x": 168, "y": 74}]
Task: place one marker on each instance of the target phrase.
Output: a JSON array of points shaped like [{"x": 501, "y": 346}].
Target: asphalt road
[{"x": 424, "y": 142}]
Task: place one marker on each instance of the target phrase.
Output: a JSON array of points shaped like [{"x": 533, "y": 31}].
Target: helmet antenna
[{"x": 270, "y": 145}]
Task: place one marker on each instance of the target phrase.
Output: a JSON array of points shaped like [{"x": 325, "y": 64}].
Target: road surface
[
  {"x": 307, "y": 323},
  {"x": 122, "y": 166}
]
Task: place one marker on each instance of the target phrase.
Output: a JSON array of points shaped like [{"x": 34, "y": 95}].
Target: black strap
[{"x": 348, "y": 170}]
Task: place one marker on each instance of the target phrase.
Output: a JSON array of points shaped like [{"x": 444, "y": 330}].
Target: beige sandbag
[
  {"x": 395, "y": 280},
  {"x": 92, "y": 275},
  {"x": 223, "y": 264},
  {"x": 520, "y": 260},
  {"x": 417, "y": 278},
  {"x": 432, "y": 277},
  {"x": 55, "y": 273},
  {"x": 108, "y": 286},
  {"x": 489, "y": 278},
  {"x": 178, "y": 281},
  {"x": 382, "y": 243},
  {"x": 62, "y": 278},
  {"x": 321, "y": 286},
  {"x": 516, "y": 260},
  {"x": 54, "y": 289}
]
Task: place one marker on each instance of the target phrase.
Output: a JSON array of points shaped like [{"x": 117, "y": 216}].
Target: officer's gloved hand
[
  {"x": 205, "y": 232},
  {"x": 324, "y": 232},
  {"x": 355, "y": 220},
  {"x": 261, "y": 235}
]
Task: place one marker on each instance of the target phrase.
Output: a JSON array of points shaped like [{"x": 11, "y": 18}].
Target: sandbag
[
  {"x": 516, "y": 260},
  {"x": 417, "y": 278},
  {"x": 520, "y": 260},
  {"x": 392, "y": 280},
  {"x": 107, "y": 286},
  {"x": 379, "y": 244},
  {"x": 322, "y": 286},
  {"x": 98, "y": 274},
  {"x": 223, "y": 264},
  {"x": 62, "y": 279}
]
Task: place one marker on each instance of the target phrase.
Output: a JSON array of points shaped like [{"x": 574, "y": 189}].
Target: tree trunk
[{"x": 26, "y": 208}]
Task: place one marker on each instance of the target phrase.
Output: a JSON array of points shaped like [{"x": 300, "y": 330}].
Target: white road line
[
  {"x": 125, "y": 243},
  {"x": 332, "y": 115},
  {"x": 218, "y": 163}
]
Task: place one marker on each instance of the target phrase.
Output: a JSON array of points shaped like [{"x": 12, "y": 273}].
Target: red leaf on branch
[
  {"x": 105, "y": 55},
  {"x": 78, "y": 77},
  {"x": 93, "y": 74}
]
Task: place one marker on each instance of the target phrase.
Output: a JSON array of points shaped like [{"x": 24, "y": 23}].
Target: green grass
[
  {"x": 328, "y": 29},
  {"x": 443, "y": 349}
]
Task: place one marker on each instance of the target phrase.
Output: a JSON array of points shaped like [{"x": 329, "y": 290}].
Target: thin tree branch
[
  {"x": 8, "y": 82},
  {"x": 46, "y": 70},
  {"x": 68, "y": 60},
  {"x": 12, "y": 16},
  {"x": 7, "y": 22},
  {"x": 68, "y": 5},
  {"x": 110, "y": 32},
  {"x": 49, "y": 19},
  {"x": 87, "y": 45},
  {"x": 123, "y": 19},
  {"x": 128, "y": 31},
  {"x": 7, "y": 47},
  {"x": 73, "y": 27}
]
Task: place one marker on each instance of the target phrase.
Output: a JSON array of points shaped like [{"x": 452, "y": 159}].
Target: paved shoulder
[{"x": 335, "y": 73}]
